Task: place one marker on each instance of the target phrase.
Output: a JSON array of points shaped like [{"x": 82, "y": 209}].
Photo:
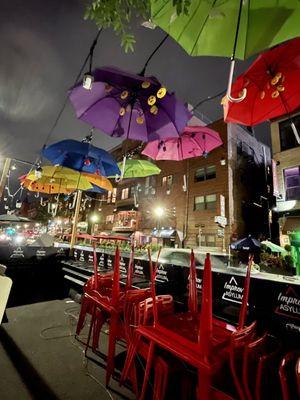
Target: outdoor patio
[{"x": 33, "y": 367}]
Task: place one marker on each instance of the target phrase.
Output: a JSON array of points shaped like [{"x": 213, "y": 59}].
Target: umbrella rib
[{"x": 202, "y": 27}]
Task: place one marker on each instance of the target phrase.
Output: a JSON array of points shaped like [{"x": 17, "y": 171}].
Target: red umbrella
[{"x": 273, "y": 87}]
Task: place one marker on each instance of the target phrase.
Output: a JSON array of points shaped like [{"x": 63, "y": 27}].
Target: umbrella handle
[
  {"x": 228, "y": 94},
  {"x": 120, "y": 178},
  {"x": 37, "y": 195},
  {"x": 42, "y": 203},
  {"x": 72, "y": 206},
  {"x": 295, "y": 132}
]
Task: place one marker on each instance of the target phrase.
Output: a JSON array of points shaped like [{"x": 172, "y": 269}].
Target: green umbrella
[
  {"x": 274, "y": 247},
  {"x": 138, "y": 168},
  {"x": 229, "y": 28}
]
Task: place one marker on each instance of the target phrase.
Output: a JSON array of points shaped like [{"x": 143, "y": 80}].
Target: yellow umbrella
[
  {"x": 47, "y": 188},
  {"x": 98, "y": 180},
  {"x": 65, "y": 176}
]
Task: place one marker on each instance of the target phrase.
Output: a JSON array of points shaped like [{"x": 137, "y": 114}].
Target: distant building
[
  {"x": 286, "y": 169},
  {"x": 204, "y": 201}
]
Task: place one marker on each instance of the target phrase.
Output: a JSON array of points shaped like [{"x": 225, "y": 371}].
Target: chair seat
[
  {"x": 187, "y": 325},
  {"x": 181, "y": 347}
]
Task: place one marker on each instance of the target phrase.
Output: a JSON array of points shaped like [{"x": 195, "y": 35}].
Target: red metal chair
[
  {"x": 205, "y": 353},
  {"x": 100, "y": 282},
  {"x": 290, "y": 375}
]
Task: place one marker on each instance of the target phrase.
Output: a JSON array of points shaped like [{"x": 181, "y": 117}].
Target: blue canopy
[{"x": 81, "y": 157}]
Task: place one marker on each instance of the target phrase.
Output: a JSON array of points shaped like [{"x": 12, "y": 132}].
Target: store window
[
  {"x": 205, "y": 173},
  {"x": 287, "y": 137},
  {"x": 109, "y": 196},
  {"x": 125, "y": 194},
  {"x": 292, "y": 183},
  {"x": 207, "y": 240},
  {"x": 207, "y": 202},
  {"x": 167, "y": 181},
  {"x": 109, "y": 219},
  {"x": 114, "y": 195}
]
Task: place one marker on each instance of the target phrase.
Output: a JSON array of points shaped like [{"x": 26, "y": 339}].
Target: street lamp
[
  {"x": 93, "y": 218},
  {"x": 158, "y": 212}
]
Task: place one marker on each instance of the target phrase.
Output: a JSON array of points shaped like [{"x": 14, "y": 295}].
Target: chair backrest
[
  {"x": 253, "y": 352},
  {"x": 165, "y": 305},
  {"x": 116, "y": 279},
  {"x": 192, "y": 295},
  {"x": 130, "y": 269},
  {"x": 244, "y": 306},
  {"x": 267, "y": 380},
  {"x": 152, "y": 284},
  {"x": 239, "y": 340},
  {"x": 289, "y": 376}
]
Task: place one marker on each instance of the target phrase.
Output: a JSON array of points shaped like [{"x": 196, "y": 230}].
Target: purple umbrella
[{"x": 129, "y": 106}]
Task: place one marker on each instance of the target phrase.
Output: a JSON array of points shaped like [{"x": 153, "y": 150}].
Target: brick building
[
  {"x": 201, "y": 201},
  {"x": 286, "y": 170}
]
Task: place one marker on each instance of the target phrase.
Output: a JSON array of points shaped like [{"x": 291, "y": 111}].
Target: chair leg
[
  {"x": 148, "y": 369},
  {"x": 132, "y": 349},
  {"x": 113, "y": 329},
  {"x": 91, "y": 328},
  {"x": 160, "y": 381},
  {"x": 100, "y": 319},
  {"x": 82, "y": 315},
  {"x": 204, "y": 383}
]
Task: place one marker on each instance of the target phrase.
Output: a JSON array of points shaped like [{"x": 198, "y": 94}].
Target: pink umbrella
[{"x": 195, "y": 141}]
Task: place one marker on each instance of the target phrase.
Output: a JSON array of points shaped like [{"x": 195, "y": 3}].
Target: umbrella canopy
[
  {"x": 139, "y": 169},
  {"x": 46, "y": 185},
  {"x": 247, "y": 27},
  {"x": 195, "y": 141},
  {"x": 69, "y": 178},
  {"x": 274, "y": 247},
  {"x": 81, "y": 156},
  {"x": 248, "y": 243},
  {"x": 99, "y": 181},
  {"x": 273, "y": 86},
  {"x": 129, "y": 106},
  {"x": 13, "y": 218}
]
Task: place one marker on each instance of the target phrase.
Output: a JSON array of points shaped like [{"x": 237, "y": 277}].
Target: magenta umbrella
[{"x": 195, "y": 141}]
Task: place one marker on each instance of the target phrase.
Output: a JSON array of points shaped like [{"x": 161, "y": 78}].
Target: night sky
[{"x": 43, "y": 45}]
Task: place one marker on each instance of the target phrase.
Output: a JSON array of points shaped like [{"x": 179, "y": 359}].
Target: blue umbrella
[
  {"x": 248, "y": 243},
  {"x": 81, "y": 156}
]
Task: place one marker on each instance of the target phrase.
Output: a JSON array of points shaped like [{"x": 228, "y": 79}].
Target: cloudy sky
[{"x": 43, "y": 45}]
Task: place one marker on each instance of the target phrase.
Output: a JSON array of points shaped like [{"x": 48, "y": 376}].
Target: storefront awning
[
  {"x": 163, "y": 233},
  {"x": 291, "y": 225}
]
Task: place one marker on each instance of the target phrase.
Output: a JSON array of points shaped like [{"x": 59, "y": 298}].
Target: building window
[
  {"x": 207, "y": 202},
  {"x": 125, "y": 193},
  {"x": 109, "y": 219},
  {"x": 207, "y": 240},
  {"x": 114, "y": 195},
  {"x": 167, "y": 181},
  {"x": 205, "y": 173},
  {"x": 287, "y": 137},
  {"x": 292, "y": 183},
  {"x": 108, "y": 196}
]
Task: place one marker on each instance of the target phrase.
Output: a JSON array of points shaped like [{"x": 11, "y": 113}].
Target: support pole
[
  {"x": 75, "y": 221},
  {"x": 4, "y": 174}
]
